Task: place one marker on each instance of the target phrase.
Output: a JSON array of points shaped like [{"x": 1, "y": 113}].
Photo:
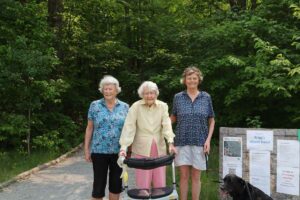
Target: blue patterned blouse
[
  {"x": 192, "y": 118},
  {"x": 107, "y": 126}
]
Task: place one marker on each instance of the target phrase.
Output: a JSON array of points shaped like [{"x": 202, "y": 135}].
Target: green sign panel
[{"x": 299, "y": 134}]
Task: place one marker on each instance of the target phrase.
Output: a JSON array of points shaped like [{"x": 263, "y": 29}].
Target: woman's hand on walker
[
  {"x": 122, "y": 153},
  {"x": 172, "y": 148}
]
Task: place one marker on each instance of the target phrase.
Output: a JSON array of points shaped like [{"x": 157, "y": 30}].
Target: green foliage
[
  {"x": 296, "y": 10},
  {"x": 27, "y": 66},
  {"x": 50, "y": 141},
  {"x": 12, "y": 126},
  {"x": 60, "y": 132},
  {"x": 14, "y": 162},
  {"x": 250, "y": 60},
  {"x": 254, "y": 122}
]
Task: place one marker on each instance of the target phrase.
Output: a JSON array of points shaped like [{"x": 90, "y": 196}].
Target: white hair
[
  {"x": 107, "y": 80},
  {"x": 148, "y": 85}
]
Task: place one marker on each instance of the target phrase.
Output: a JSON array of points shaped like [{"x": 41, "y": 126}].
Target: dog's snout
[{"x": 222, "y": 187}]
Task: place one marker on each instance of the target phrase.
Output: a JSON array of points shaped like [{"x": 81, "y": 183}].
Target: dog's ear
[
  {"x": 241, "y": 181},
  {"x": 228, "y": 178}
]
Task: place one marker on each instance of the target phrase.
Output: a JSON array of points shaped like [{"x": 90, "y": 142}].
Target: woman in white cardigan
[{"x": 146, "y": 127}]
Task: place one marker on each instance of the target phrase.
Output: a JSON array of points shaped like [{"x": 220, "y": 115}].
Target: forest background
[{"x": 53, "y": 54}]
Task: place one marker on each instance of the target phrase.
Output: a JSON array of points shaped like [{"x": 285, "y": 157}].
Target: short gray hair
[
  {"x": 107, "y": 80},
  {"x": 189, "y": 71},
  {"x": 149, "y": 85}
]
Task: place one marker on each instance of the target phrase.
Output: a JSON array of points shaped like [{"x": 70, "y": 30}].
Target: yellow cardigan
[{"x": 143, "y": 124}]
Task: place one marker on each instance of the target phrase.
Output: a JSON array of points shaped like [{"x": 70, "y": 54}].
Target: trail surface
[{"x": 71, "y": 179}]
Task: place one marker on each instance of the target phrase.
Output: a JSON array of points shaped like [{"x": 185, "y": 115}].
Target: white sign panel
[
  {"x": 288, "y": 153},
  {"x": 263, "y": 183},
  {"x": 288, "y": 180},
  {"x": 260, "y": 163},
  {"x": 260, "y": 170},
  {"x": 288, "y": 167},
  {"x": 232, "y": 156},
  {"x": 260, "y": 140}
]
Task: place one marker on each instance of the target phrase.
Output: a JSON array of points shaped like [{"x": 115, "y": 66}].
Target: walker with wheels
[{"x": 164, "y": 193}]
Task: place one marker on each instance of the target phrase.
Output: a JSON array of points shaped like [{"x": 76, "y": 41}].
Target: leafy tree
[
  {"x": 27, "y": 61},
  {"x": 53, "y": 53}
]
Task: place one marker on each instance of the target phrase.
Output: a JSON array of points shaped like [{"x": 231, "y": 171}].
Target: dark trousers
[{"x": 101, "y": 164}]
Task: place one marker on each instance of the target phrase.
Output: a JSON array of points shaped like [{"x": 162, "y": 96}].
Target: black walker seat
[
  {"x": 149, "y": 163},
  {"x": 153, "y": 193}
]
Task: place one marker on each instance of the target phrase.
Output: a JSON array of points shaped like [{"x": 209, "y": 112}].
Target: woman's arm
[
  {"x": 167, "y": 129},
  {"x": 211, "y": 126},
  {"x": 129, "y": 129},
  {"x": 87, "y": 140},
  {"x": 174, "y": 111},
  {"x": 166, "y": 125},
  {"x": 173, "y": 118}
]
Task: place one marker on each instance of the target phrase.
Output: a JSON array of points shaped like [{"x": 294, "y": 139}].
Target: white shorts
[{"x": 190, "y": 155}]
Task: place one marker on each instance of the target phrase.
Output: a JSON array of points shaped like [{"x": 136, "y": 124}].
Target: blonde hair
[
  {"x": 191, "y": 70},
  {"x": 107, "y": 80},
  {"x": 149, "y": 85}
]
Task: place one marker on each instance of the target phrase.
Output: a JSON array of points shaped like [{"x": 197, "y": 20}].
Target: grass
[
  {"x": 13, "y": 163},
  {"x": 209, "y": 178}
]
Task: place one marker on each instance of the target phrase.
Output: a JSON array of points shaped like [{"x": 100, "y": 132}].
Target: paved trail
[{"x": 68, "y": 180}]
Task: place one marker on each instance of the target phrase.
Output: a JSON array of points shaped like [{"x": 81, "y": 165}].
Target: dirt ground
[{"x": 69, "y": 180}]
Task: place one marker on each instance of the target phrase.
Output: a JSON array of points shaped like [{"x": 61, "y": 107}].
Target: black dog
[{"x": 239, "y": 189}]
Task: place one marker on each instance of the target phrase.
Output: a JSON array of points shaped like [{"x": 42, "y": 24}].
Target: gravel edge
[{"x": 26, "y": 174}]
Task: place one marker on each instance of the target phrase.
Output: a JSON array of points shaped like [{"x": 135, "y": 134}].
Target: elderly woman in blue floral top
[
  {"x": 105, "y": 122},
  {"x": 193, "y": 112}
]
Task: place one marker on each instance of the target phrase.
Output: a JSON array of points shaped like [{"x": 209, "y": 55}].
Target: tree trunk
[
  {"x": 139, "y": 40},
  {"x": 23, "y": 1},
  {"x": 243, "y": 4},
  {"x": 253, "y": 4},
  {"x": 128, "y": 33},
  {"x": 232, "y": 3},
  {"x": 28, "y": 138},
  {"x": 55, "y": 9},
  {"x": 238, "y": 4}
]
